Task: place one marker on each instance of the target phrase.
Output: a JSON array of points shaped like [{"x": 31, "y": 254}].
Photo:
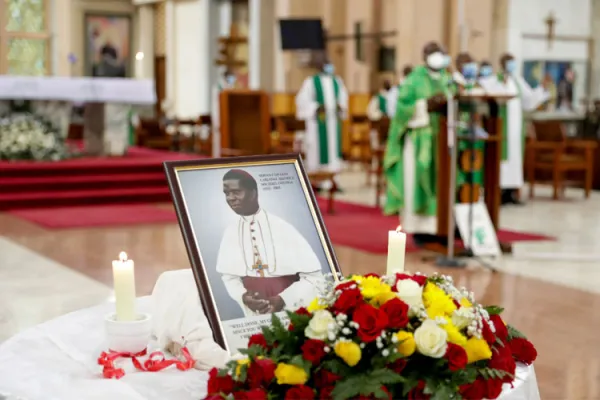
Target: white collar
[{"x": 250, "y": 218}]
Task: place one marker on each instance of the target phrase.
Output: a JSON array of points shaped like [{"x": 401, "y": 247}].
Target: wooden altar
[{"x": 245, "y": 121}]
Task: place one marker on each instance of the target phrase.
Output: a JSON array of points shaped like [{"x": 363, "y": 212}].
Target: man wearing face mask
[
  {"x": 409, "y": 161},
  {"x": 227, "y": 82},
  {"x": 392, "y": 98},
  {"x": 485, "y": 70},
  {"x": 513, "y": 134},
  {"x": 322, "y": 103}
]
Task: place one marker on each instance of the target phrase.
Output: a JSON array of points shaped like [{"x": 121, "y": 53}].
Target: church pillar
[
  {"x": 595, "y": 50},
  {"x": 144, "y": 63},
  {"x": 60, "y": 19},
  {"x": 254, "y": 45},
  {"x": 280, "y": 84},
  {"x": 170, "y": 58}
]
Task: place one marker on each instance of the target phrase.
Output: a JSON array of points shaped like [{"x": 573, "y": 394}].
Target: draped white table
[{"x": 57, "y": 360}]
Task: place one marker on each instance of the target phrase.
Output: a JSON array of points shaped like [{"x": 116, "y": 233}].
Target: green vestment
[
  {"x": 419, "y": 85},
  {"x": 503, "y": 115},
  {"x": 322, "y": 121}
]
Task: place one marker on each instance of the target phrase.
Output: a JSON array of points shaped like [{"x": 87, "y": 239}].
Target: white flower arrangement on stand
[{"x": 25, "y": 136}]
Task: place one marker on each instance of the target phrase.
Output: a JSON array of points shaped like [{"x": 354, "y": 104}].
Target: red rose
[
  {"x": 493, "y": 388},
  {"x": 214, "y": 397},
  {"x": 259, "y": 340},
  {"x": 261, "y": 372},
  {"x": 325, "y": 379},
  {"x": 502, "y": 360},
  {"x": 254, "y": 394},
  {"x": 474, "y": 391},
  {"x": 487, "y": 333},
  {"x": 219, "y": 384},
  {"x": 346, "y": 285},
  {"x": 325, "y": 393},
  {"x": 420, "y": 279},
  {"x": 291, "y": 327},
  {"x": 300, "y": 392},
  {"x": 313, "y": 350},
  {"x": 501, "y": 331},
  {"x": 398, "y": 365},
  {"x": 456, "y": 356},
  {"x": 417, "y": 393},
  {"x": 371, "y": 321},
  {"x": 523, "y": 350},
  {"x": 397, "y": 313},
  {"x": 348, "y": 300},
  {"x": 302, "y": 311},
  {"x": 372, "y": 396}
]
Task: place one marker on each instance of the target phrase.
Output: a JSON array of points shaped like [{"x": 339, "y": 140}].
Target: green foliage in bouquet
[{"x": 371, "y": 337}]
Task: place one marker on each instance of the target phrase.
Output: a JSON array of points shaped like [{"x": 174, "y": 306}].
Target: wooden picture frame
[
  {"x": 115, "y": 32},
  {"x": 255, "y": 238}
]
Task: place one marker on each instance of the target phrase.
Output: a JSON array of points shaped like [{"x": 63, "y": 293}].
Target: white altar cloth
[
  {"x": 91, "y": 90},
  {"x": 57, "y": 360}
]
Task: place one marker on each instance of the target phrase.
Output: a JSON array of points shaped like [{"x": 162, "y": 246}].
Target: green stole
[
  {"x": 322, "y": 122},
  {"x": 382, "y": 103},
  {"x": 503, "y": 114}
]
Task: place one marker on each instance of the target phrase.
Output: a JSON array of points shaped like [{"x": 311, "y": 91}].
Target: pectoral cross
[{"x": 260, "y": 268}]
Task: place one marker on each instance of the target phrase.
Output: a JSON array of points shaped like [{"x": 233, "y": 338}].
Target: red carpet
[
  {"x": 356, "y": 226},
  {"x": 137, "y": 177}
]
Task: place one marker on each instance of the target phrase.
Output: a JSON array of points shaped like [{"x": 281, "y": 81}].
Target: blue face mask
[
  {"x": 485, "y": 71},
  {"x": 511, "y": 66},
  {"x": 329, "y": 69},
  {"x": 469, "y": 71}
]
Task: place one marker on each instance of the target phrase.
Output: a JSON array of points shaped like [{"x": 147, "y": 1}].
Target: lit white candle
[
  {"x": 139, "y": 65},
  {"x": 396, "y": 251},
  {"x": 124, "y": 286}
]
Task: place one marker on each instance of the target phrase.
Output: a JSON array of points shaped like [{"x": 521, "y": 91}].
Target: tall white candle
[
  {"x": 396, "y": 251},
  {"x": 124, "y": 286}
]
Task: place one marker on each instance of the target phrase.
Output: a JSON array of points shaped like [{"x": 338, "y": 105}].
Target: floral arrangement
[
  {"x": 25, "y": 136},
  {"x": 371, "y": 337}
]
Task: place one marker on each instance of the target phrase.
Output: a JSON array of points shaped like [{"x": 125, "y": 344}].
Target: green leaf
[
  {"x": 514, "y": 333},
  {"x": 365, "y": 384},
  {"x": 337, "y": 366},
  {"x": 494, "y": 310}
]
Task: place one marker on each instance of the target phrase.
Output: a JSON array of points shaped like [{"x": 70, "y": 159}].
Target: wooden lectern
[
  {"x": 245, "y": 121},
  {"x": 492, "y": 154}
]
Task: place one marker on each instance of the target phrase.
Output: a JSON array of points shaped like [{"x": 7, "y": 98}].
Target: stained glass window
[
  {"x": 25, "y": 48},
  {"x": 25, "y": 15},
  {"x": 27, "y": 56}
]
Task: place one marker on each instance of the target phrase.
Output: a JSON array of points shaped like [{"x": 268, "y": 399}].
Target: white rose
[
  {"x": 431, "y": 340},
  {"x": 410, "y": 292},
  {"x": 321, "y": 323}
]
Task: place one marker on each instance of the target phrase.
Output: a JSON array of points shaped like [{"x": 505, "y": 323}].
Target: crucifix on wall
[{"x": 550, "y": 22}]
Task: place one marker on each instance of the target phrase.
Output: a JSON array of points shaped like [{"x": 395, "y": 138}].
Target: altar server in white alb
[
  {"x": 266, "y": 264},
  {"x": 227, "y": 82},
  {"x": 513, "y": 146},
  {"x": 322, "y": 103},
  {"x": 377, "y": 109},
  {"x": 392, "y": 96}
]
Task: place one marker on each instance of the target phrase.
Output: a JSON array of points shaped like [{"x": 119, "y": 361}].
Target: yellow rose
[
  {"x": 350, "y": 352},
  {"x": 240, "y": 363},
  {"x": 437, "y": 302},
  {"x": 383, "y": 298},
  {"x": 371, "y": 286},
  {"x": 406, "y": 343},
  {"x": 315, "y": 305},
  {"x": 454, "y": 335},
  {"x": 477, "y": 349},
  {"x": 288, "y": 374}
]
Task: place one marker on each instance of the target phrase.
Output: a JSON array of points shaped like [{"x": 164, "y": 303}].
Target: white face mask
[{"x": 436, "y": 61}]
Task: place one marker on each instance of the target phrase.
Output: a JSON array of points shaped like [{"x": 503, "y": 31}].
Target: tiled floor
[{"x": 551, "y": 290}]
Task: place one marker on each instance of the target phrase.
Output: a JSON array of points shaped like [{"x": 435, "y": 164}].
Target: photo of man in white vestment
[{"x": 266, "y": 265}]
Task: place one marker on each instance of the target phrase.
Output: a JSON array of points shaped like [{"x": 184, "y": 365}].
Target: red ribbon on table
[{"x": 156, "y": 362}]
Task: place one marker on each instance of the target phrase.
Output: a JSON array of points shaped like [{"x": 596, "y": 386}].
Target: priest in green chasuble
[
  {"x": 513, "y": 135},
  {"x": 322, "y": 103},
  {"x": 265, "y": 263},
  {"x": 410, "y": 157},
  {"x": 377, "y": 109}
]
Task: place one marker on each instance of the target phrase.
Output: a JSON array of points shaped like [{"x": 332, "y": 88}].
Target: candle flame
[
  {"x": 123, "y": 256},
  {"x": 399, "y": 228}
]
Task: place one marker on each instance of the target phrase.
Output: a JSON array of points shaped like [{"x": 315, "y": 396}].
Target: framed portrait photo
[
  {"x": 255, "y": 238},
  {"x": 108, "y": 45}
]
